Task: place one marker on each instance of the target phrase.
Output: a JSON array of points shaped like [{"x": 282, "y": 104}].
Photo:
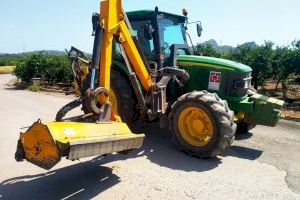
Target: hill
[{"x": 222, "y": 48}]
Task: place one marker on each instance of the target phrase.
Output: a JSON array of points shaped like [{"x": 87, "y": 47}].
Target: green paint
[
  {"x": 214, "y": 62},
  {"x": 266, "y": 110},
  {"x": 244, "y": 105},
  {"x": 199, "y": 68},
  {"x": 120, "y": 65}
]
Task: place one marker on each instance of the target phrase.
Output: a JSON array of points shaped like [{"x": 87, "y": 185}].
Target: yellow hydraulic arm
[{"x": 115, "y": 24}]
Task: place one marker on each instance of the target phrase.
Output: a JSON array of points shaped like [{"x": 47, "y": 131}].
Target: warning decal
[{"x": 214, "y": 81}]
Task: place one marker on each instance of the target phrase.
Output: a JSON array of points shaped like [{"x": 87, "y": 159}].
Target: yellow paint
[
  {"x": 106, "y": 60},
  {"x": 195, "y": 126},
  {"x": 65, "y": 132},
  {"x": 135, "y": 57},
  {"x": 45, "y": 143},
  {"x": 239, "y": 116},
  {"x": 114, "y": 103},
  {"x": 113, "y": 100},
  {"x": 182, "y": 63}
]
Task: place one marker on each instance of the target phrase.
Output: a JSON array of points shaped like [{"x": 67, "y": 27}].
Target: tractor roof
[{"x": 150, "y": 13}]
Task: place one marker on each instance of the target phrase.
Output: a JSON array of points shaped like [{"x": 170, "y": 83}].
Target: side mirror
[
  {"x": 199, "y": 29},
  {"x": 148, "y": 30}
]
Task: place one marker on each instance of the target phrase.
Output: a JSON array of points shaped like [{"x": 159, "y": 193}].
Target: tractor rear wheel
[
  {"x": 123, "y": 98},
  {"x": 202, "y": 124}
]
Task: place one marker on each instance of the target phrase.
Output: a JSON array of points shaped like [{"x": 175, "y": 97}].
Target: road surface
[{"x": 263, "y": 164}]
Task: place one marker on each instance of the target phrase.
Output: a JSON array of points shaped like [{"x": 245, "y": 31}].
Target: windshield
[
  {"x": 171, "y": 32},
  {"x": 146, "y": 45}
]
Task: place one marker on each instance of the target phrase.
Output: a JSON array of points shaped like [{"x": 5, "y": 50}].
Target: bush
[
  {"x": 32, "y": 67},
  {"x": 10, "y": 59},
  {"x": 52, "y": 68},
  {"x": 34, "y": 88}
]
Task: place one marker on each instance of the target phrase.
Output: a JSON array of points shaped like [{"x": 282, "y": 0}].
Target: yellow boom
[{"x": 114, "y": 24}]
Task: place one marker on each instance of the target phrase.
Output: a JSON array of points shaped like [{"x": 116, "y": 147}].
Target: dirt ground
[{"x": 291, "y": 110}]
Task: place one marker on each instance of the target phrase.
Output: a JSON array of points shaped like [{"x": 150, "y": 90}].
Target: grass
[
  {"x": 34, "y": 88},
  {"x": 7, "y": 69}
]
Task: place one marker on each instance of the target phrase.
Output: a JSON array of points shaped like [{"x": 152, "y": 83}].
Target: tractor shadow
[
  {"x": 243, "y": 152},
  {"x": 243, "y": 136},
  {"x": 159, "y": 148},
  {"x": 80, "y": 181}
]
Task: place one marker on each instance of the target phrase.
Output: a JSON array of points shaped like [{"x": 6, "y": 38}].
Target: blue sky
[{"x": 58, "y": 24}]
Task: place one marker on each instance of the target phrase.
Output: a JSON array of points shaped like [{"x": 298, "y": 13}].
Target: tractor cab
[{"x": 162, "y": 35}]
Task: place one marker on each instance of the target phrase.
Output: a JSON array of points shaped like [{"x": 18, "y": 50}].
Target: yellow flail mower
[{"x": 45, "y": 144}]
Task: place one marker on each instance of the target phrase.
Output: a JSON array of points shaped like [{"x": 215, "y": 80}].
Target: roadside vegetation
[
  {"x": 7, "y": 69},
  {"x": 52, "y": 69},
  {"x": 34, "y": 88},
  {"x": 269, "y": 62}
]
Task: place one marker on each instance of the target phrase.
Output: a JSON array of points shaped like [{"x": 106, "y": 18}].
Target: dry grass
[{"x": 7, "y": 69}]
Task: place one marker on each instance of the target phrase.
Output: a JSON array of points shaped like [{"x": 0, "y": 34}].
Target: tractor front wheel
[{"x": 202, "y": 124}]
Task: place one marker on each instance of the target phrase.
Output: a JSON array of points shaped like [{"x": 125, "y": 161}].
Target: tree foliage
[
  {"x": 207, "y": 50},
  {"x": 51, "y": 68},
  {"x": 10, "y": 59},
  {"x": 267, "y": 61}
]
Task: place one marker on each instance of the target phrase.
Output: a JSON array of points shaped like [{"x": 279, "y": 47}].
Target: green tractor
[
  {"x": 163, "y": 40},
  {"x": 203, "y": 110}
]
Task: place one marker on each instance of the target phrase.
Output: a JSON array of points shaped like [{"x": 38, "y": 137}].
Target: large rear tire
[
  {"x": 202, "y": 124},
  {"x": 123, "y": 98}
]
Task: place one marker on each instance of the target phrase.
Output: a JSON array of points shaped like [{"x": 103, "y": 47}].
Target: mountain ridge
[{"x": 222, "y": 48}]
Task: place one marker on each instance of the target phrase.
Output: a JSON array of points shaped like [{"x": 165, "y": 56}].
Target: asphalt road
[{"x": 263, "y": 164}]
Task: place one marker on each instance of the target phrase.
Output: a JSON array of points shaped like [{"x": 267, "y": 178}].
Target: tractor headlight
[{"x": 243, "y": 84}]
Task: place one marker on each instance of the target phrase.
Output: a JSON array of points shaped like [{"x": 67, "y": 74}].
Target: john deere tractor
[{"x": 163, "y": 40}]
